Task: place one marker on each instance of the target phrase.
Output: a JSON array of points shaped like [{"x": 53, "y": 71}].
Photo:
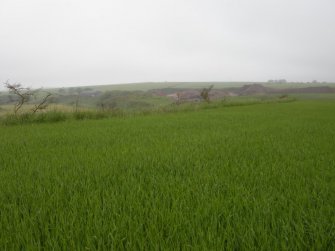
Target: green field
[{"x": 256, "y": 177}]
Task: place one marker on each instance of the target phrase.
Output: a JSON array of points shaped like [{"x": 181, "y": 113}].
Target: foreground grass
[{"x": 239, "y": 178}]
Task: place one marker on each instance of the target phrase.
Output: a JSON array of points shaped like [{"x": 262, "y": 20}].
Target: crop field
[{"x": 256, "y": 177}]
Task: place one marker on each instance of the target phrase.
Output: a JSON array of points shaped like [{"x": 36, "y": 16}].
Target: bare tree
[
  {"x": 76, "y": 103},
  {"x": 101, "y": 105},
  {"x": 205, "y": 93},
  {"x": 43, "y": 104},
  {"x": 23, "y": 94},
  {"x": 178, "y": 96}
]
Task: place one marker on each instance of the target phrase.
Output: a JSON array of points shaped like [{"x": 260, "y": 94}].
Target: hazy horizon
[{"x": 79, "y": 43}]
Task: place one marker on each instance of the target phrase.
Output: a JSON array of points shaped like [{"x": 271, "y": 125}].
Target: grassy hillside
[
  {"x": 139, "y": 96},
  {"x": 255, "y": 177},
  {"x": 160, "y": 85},
  {"x": 194, "y": 85}
]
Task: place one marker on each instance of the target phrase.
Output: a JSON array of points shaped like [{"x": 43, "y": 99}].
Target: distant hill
[
  {"x": 144, "y": 95},
  {"x": 245, "y": 90},
  {"x": 147, "y": 86},
  {"x": 319, "y": 89},
  {"x": 254, "y": 89}
]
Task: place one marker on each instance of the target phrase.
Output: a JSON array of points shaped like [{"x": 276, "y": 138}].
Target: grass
[
  {"x": 56, "y": 115},
  {"x": 315, "y": 96},
  {"x": 255, "y": 177},
  {"x": 27, "y": 108}
]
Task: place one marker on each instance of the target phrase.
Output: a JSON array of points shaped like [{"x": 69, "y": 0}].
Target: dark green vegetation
[{"x": 257, "y": 177}]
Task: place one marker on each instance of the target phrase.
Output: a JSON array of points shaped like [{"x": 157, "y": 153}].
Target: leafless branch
[
  {"x": 43, "y": 104},
  {"x": 205, "y": 93},
  {"x": 22, "y": 93}
]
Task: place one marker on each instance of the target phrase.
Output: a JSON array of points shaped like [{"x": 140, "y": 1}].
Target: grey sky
[{"x": 82, "y": 42}]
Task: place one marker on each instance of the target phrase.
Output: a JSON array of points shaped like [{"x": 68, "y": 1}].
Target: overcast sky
[{"x": 82, "y": 42}]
